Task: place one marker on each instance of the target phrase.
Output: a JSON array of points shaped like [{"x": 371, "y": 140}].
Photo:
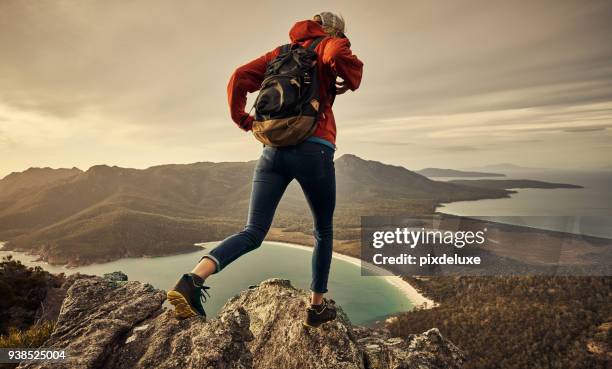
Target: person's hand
[
  {"x": 246, "y": 124},
  {"x": 341, "y": 87}
]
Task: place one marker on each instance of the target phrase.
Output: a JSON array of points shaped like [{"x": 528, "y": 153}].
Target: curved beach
[{"x": 406, "y": 288}]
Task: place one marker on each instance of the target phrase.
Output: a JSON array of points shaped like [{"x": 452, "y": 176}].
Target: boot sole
[
  {"x": 310, "y": 326},
  {"x": 182, "y": 309}
]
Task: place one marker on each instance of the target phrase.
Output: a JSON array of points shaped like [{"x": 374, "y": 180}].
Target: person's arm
[
  {"x": 245, "y": 79},
  {"x": 347, "y": 66}
]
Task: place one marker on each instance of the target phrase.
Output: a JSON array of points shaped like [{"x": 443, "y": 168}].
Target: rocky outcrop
[
  {"x": 425, "y": 350},
  {"x": 276, "y": 310},
  {"x": 112, "y": 323}
]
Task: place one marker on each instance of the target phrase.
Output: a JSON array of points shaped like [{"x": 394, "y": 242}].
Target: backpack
[{"x": 287, "y": 107}]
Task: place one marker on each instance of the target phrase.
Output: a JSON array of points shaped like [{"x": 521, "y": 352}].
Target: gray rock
[
  {"x": 164, "y": 342},
  {"x": 427, "y": 350},
  {"x": 105, "y": 324},
  {"x": 116, "y": 276},
  {"x": 277, "y": 310},
  {"x": 50, "y": 308},
  {"x": 94, "y": 315}
]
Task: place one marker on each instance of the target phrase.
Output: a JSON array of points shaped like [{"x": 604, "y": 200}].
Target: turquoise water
[{"x": 364, "y": 299}]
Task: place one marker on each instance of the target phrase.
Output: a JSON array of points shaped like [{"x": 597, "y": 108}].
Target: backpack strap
[
  {"x": 285, "y": 48},
  {"x": 314, "y": 43}
]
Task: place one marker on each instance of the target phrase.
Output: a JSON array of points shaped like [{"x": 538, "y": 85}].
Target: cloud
[
  {"x": 586, "y": 129},
  {"x": 151, "y": 76},
  {"x": 457, "y": 148}
]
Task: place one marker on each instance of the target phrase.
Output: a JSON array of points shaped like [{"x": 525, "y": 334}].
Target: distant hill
[
  {"x": 33, "y": 178},
  {"x": 364, "y": 180},
  {"x": 512, "y": 183},
  {"x": 439, "y": 172},
  {"x": 106, "y": 213}
]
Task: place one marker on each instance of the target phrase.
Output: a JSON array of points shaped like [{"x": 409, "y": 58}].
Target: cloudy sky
[{"x": 446, "y": 84}]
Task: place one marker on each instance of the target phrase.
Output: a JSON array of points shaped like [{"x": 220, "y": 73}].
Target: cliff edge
[{"x": 112, "y": 323}]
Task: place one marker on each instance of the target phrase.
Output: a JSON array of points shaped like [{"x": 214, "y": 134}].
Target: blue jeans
[{"x": 312, "y": 165}]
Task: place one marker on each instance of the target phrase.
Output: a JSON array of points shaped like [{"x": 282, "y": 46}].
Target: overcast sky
[{"x": 446, "y": 84}]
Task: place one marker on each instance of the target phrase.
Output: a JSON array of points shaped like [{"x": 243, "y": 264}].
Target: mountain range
[{"x": 70, "y": 216}]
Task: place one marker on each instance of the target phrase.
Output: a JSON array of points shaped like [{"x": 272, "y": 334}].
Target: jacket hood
[{"x": 305, "y": 30}]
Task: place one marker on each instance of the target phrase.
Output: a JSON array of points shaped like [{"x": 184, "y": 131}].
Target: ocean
[{"x": 586, "y": 211}]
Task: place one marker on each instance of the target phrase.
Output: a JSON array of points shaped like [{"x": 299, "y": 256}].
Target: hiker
[{"x": 297, "y": 85}]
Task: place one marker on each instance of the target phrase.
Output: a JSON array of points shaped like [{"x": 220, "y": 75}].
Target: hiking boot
[
  {"x": 319, "y": 314},
  {"x": 188, "y": 295}
]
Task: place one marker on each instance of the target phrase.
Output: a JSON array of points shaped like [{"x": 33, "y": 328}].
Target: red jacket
[{"x": 335, "y": 60}]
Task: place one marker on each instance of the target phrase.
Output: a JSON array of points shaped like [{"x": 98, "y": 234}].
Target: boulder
[{"x": 113, "y": 323}]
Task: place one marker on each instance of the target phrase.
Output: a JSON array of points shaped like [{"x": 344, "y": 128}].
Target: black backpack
[{"x": 287, "y": 107}]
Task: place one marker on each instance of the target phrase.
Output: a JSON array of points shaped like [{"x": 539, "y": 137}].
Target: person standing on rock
[{"x": 297, "y": 85}]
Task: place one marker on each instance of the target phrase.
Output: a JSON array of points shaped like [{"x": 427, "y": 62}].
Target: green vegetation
[
  {"x": 34, "y": 336},
  {"x": 23, "y": 289},
  {"x": 518, "y": 322}
]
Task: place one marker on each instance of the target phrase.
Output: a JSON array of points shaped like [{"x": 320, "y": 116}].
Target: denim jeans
[{"x": 312, "y": 165}]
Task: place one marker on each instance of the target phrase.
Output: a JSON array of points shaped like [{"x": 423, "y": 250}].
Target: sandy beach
[{"x": 407, "y": 289}]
